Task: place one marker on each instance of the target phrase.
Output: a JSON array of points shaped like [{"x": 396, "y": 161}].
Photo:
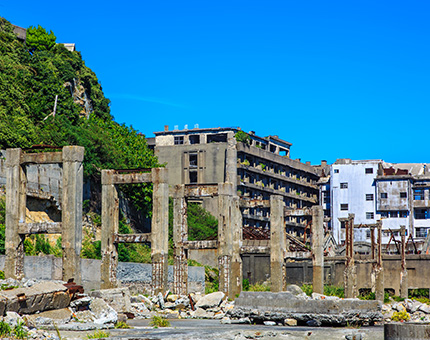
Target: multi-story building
[
  {"x": 398, "y": 194},
  {"x": 257, "y": 166}
]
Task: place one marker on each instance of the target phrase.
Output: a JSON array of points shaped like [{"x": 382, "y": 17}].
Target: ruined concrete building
[
  {"x": 398, "y": 194},
  {"x": 257, "y": 166}
]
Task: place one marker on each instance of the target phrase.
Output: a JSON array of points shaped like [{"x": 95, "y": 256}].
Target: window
[
  {"x": 369, "y": 171},
  {"x": 344, "y": 206},
  {"x": 217, "y": 138},
  {"x": 343, "y": 185},
  {"x": 403, "y": 213},
  {"x": 403, "y": 195},
  {"x": 193, "y": 176},
  {"x": 421, "y": 214},
  {"x": 326, "y": 196},
  {"x": 179, "y": 140},
  {"x": 418, "y": 194},
  {"x": 193, "y": 160},
  {"x": 194, "y": 139},
  {"x": 393, "y": 214},
  {"x": 336, "y": 171},
  {"x": 370, "y": 215},
  {"x": 384, "y": 195},
  {"x": 369, "y": 197},
  {"x": 384, "y": 214},
  {"x": 421, "y": 232}
]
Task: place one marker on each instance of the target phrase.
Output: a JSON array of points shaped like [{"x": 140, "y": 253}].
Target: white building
[{"x": 353, "y": 191}]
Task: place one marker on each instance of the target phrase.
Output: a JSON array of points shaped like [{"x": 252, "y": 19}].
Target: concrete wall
[{"x": 136, "y": 275}]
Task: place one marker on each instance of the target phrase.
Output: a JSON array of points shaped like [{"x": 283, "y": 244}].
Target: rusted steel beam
[
  {"x": 254, "y": 203},
  {"x": 39, "y": 228},
  {"x": 131, "y": 178},
  {"x": 201, "y": 190},
  {"x": 211, "y": 244},
  {"x": 297, "y": 212},
  {"x": 132, "y": 238},
  {"x": 42, "y": 158}
]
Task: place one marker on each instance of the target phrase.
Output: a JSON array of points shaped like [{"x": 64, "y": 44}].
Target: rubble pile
[{"x": 417, "y": 311}]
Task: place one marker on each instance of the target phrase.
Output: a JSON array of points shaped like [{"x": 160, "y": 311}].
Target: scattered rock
[
  {"x": 117, "y": 298},
  {"x": 270, "y": 323},
  {"x": 210, "y": 300},
  {"x": 290, "y": 322},
  {"x": 103, "y": 312},
  {"x": 294, "y": 289}
]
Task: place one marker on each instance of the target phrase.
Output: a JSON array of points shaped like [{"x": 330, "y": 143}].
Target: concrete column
[
  {"x": 180, "y": 235},
  {"x": 73, "y": 182},
  {"x": 231, "y": 161},
  {"x": 160, "y": 229},
  {"x": 229, "y": 240},
  {"x": 277, "y": 244},
  {"x": 15, "y": 213},
  {"x": 404, "y": 272},
  {"x": 379, "y": 269},
  {"x": 318, "y": 249},
  {"x": 350, "y": 273},
  {"x": 110, "y": 216}
]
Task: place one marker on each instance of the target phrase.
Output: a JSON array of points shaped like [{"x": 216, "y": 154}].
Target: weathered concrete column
[
  {"x": 110, "y": 216},
  {"x": 229, "y": 240},
  {"x": 350, "y": 273},
  {"x": 277, "y": 244},
  {"x": 404, "y": 272},
  {"x": 379, "y": 269},
  {"x": 180, "y": 235},
  {"x": 160, "y": 229},
  {"x": 15, "y": 213},
  {"x": 73, "y": 181},
  {"x": 231, "y": 161},
  {"x": 318, "y": 249}
]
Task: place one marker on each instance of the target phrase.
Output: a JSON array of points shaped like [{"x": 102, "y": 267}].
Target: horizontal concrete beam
[
  {"x": 132, "y": 238},
  {"x": 297, "y": 212},
  {"x": 201, "y": 190},
  {"x": 254, "y": 203},
  {"x": 132, "y": 178},
  {"x": 254, "y": 250},
  {"x": 212, "y": 244},
  {"x": 42, "y": 158},
  {"x": 40, "y": 228}
]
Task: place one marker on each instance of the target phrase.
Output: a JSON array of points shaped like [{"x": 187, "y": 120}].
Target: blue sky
[{"x": 338, "y": 79}]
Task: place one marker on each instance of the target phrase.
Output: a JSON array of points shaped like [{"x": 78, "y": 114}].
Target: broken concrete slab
[
  {"x": 103, "y": 312},
  {"x": 210, "y": 300},
  {"x": 263, "y": 306},
  {"x": 51, "y": 317},
  {"x": 117, "y": 298},
  {"x": 37, "y": 298}
]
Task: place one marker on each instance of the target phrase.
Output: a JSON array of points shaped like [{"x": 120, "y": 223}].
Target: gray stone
[
  {"x": 356, "y": 336},
  {"x": 210, "y": 300},
  {"x": 82, "y": 302},
  {"x": 103, "y": 312},
  {"x": 270, "y": 323},
  {"x": 200, "y": 313},
  {"x": 49, "y": 317},
  {"x": 84, "y": 316},
  {"x": 294, "y": 289},
  {"x": 424, "y": 308},
  {"x": 117, "y": 298},
  {"x": 290, "y": 322},
  {"x": 12, "y": 318},
  {"x": 160, "y": 301}
]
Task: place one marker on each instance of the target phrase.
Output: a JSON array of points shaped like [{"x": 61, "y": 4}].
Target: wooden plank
[
  {"x": 132, "y": 238},
  {"x": 40, "y": 228}
]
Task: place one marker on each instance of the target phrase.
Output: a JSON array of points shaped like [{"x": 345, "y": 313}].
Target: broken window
[
  {"x": 194, "y": 139},
  {"x": 344, "y": 185},
  {"x": 370, "y": 215},
  {"x": 193, "y": 160},
  {"x": 272, "y": 148},
  {"x": 418, "y": 194},
  {"x": 369, "y": 171},
  {"x": 217, "y": 138},
  {"x": 344, "y": 206},
  {"x": 179, "y": 140},
  {"x": 384, "y": 195},
  {"x": 369, "y": 197},
  {"x": 403, "y": 195},
  {"x": 193, "y": 177}
]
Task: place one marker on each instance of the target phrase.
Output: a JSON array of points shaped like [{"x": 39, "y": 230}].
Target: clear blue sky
[{"x": 338, "y": 79}]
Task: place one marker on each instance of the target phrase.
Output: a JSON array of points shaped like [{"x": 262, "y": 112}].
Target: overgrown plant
[
  {"x": 159, "y": 321},
  {"x": 5, "y": 329},
  {"x": 98, "y": 335},
  {"x": 19, "y": 331}
]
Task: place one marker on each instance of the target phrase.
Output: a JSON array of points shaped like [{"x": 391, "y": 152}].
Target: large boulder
[
  {"x": 210, "y": 300},
  {"x": 117, "y": 298}
]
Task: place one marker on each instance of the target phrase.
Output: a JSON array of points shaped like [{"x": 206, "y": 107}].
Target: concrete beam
[
  {"x": 132, "y": 178},
  {"x": 277, "y": 244},
  {"x": 15, "y": 213},
  {"x": 132, "y": 238},
  {"x": 209, "y": 244},
  {"x": 110, "y": 212},
  {"x": 160, "y": 229},
  {"x": 42, "y": 158},
  {"x": 73, "y": 181},
  {"x": 200, "y": 190},
  {"x": 318, "y": 249},
  {"x": 40, "y": 228}
]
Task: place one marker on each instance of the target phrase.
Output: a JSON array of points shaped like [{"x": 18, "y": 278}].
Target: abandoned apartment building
[{"x": 258, "y": 168}]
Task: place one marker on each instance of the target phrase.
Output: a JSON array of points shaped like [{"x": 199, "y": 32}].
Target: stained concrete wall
[{"x": 136, "y": 275}]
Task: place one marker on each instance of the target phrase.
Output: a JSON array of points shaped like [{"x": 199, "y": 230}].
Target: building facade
[{"x": 257, "y": 166}]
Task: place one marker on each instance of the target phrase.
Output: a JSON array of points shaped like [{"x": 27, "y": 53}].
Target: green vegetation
[
  {"x": 159, "y": 321},
  {"x": 243, "y": 137},
  {"x": 122, "y": 325},
  {"x": 201, "y": 224},
  {"x": 258, "y": 287},
  {"x": 211, "y": 279},
  {"x": 39, "y": 40},
  {"x": 5, "y": 329},
  {"x": 39, "y": 244},
  {"x": 329, "y": 290},
  {"x": 401, "y": 316},
  {"x": 19, "y": 331},
  {"x": 98, "y": 335}
]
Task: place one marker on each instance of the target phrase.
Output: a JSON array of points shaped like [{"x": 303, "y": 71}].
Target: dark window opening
[
  {"x": 336, "y": 171},
  {"x": 193, "y": 176},
  {"x": 418, "y": 194},
  {"x": 369, "y": 170},
  {"x": 194, "y": 139},
  {"x": 370, "y": 215},
  {"x": 403, "y": 195},
  {"x": 344, "y": 206},
  {"x": 217, "y": 138},
  {"x": 344, "y": 185},
  {"x": 384, "y": 195},
  {"x": 179, "y": 140},
  {"x": 272, "y": 148},
  {"x": 193, "y": 160},
  {"x": 369, "y": 197}
]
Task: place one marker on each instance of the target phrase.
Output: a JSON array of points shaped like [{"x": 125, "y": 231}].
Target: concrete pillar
[
  {"x": 73, "y": 181},
  {"x": 15, "y": 213},
  {"x": 229, "y": 240},
  {"x": 277, "y": 244},
  {"x": 231, "y": 161},
  {"x": 180, "y": 235},
  {"x": 318, "y": 249},
  {"x": 404, "y": 272},
  {"x": 350, "y": 273},
  {"x": 160, "y": 229},
  {"x": 379, "y": 270},
  {"x": 110, "y": 216}
]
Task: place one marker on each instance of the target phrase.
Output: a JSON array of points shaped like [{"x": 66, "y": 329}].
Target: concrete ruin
[{"x": 70, "y": 227}]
